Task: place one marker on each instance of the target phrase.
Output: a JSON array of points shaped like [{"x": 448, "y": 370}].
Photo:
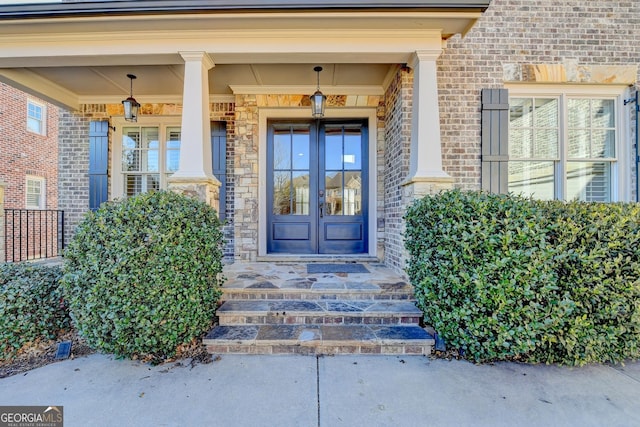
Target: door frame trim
[{"x": 265, "y": 114}]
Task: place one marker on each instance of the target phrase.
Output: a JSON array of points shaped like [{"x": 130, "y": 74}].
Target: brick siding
[
  {"x": 515, "y": 33},
  {"x": 26, "y": 153}
]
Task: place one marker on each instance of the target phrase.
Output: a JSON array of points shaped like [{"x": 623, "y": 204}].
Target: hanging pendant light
[
  {"x": 318, "y": 100},
  {"x": 131, "y": 106}
]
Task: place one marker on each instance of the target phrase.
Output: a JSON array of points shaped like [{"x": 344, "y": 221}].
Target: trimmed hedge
[
  {"x": 504, "y": 277},
  {"x": 143, "y": 275},
  {"x": 31, "y": 305}
]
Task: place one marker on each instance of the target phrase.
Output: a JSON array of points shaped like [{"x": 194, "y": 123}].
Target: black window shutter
[
  {"x": 98, "y": 163},
  {"x": 219, "y": 159},
  {"x": 495, "y": 140}
]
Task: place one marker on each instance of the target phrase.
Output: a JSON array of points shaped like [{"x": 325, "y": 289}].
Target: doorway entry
[{"x": 317, "y": 187}]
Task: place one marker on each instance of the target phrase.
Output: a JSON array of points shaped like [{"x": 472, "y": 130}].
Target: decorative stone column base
[
  {"x": 418, "y": 187},
  {"x": 204, "y": 189}
]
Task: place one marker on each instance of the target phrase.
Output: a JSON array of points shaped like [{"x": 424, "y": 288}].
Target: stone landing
[{"x": 274, "y": 308}]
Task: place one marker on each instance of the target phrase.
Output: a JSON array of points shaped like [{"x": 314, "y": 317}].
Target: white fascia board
[{"x": 225, "y": 46}]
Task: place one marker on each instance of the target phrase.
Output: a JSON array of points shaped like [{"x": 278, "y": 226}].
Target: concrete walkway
[{"x": 329, "y": 391}]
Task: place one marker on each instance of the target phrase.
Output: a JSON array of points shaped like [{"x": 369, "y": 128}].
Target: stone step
[
  {"x": 305, "y": 289},
  {"x": 269, "y": 312},
  {"x": 319, "y": 339}
]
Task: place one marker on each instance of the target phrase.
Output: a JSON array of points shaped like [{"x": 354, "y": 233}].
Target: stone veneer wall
[
  {"x": 396, "y": 164},
  {"x": 572, "y": 41}
]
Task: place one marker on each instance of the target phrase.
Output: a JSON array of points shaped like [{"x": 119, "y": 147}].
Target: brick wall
[
  {"x": 512, "y": 35},
  {"x": 26, "y": 153},
  {"x": 396, "y": 163}
]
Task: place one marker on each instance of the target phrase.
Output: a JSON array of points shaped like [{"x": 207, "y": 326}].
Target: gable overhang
[{"x": 79, "y": 53}]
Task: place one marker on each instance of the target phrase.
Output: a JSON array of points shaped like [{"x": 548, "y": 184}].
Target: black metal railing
[{"x": 33, "y": 234}]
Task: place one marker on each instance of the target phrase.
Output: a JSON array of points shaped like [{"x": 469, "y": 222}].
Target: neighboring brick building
[
  {"x": 29, "y": 171},
  {"x": 28, "y": 150},
  {"x": 530, "y": 99}
]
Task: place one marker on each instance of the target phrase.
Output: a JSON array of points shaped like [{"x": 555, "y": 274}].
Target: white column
[
  {"x": 426, "y": 149},
  {"x": 194, "y": 176},
  {"x": 195, "y": 146}
]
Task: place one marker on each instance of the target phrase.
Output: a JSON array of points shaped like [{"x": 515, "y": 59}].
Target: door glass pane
[
  {"x": 589, "y": 181},
  {"x": 301, "y": 148},
  {"x": 281, "y": 193},
  {"x": 333, "y": 148},
  {"x": 352, "y": 149},
  {"x": 333, "y": 193},
  {"x": 282, "y": 148},
  {"x": 532, "y": 179},
  {"x": 301, "y": 193},
  {"x": 352, "y": 193}
]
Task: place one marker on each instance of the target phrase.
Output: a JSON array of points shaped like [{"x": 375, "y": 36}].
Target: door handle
[{"x": 321, "y": 207}]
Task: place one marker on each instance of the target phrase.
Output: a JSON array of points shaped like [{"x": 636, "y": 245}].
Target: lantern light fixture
[
  {"x": 131, "y": 106},
  {"x": 318, "y": 100}
]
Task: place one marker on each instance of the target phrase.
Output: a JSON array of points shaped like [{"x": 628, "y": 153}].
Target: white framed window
[
  {"x": 36, "y": 117},
  {"x": 144, "y": 156},
  {"x": 565, "y": 144},
  {"x": 35, "y": 192}
]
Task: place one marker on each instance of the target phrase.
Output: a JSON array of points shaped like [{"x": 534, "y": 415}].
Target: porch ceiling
[{"x": 73, "y": 60}]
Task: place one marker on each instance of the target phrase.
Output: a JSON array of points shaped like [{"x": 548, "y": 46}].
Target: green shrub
[
  {"x": 31, "y": 305},
  {"x": 143, "y": 275},
  {"x": 503, "y": 277}
]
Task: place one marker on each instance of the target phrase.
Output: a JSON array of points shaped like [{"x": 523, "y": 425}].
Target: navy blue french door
[{"x": 317, "y": 181}]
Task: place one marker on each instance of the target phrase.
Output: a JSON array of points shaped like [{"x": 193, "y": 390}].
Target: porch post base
[
  {"x": 203, "y": 189},
  {"x": 417, "y": 187}
]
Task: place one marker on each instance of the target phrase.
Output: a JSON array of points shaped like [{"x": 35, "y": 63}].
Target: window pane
[
  {"x": 546, "y": 113},
  {"x": 520, "y": 143},
  {"x": 521, "y": 112},
  {"x": 546, "y": 143},
  {"x": 34, "y": 125},
  {"x": 301, "y": 193},
  {"x": 579, "y": 114},
  {"x": 534, "y": 179},
  {"x": 153, "y": 182},
  {"x": 133, "y": 185},
  {"x": 603, "y": 144},
  {"x": 589, "y": 182},
  {"x": 152, "y": 163},
  {"x": 131, "y": 160},
  {"x": 281, "y": 193},
  {"x": 579, "y": 144},
  {"x": 603, "y": 113},
  {"x": 174, "y": 135}
]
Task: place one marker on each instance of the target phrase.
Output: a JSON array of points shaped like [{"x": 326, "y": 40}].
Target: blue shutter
[
  {"x": 495, "y": 140},
  {"x": 98, "y": 163},
  {"x": 219, "y": 159}
]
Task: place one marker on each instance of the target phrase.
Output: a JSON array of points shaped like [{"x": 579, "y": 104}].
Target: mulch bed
[{"x": 41, "y": 353}]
